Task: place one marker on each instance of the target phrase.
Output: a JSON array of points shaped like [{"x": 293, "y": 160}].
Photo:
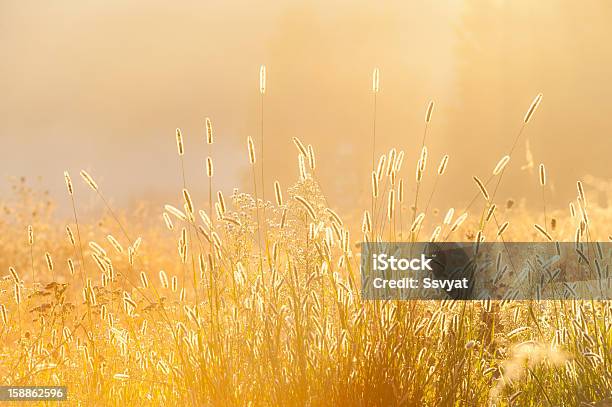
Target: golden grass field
[{"x": 240, "y": 301}]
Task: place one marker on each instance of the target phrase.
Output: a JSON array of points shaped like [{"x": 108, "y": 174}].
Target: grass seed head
[
  {"x": 278, "y": 194},
  {"x": 209, "y": 167},
  {"x": 443, "y": 164},
  {"x": 532, "y": 108},
  {"x": 115, "y": 243},
  {"x": 307, "y": 205},
  {"x": 501, "y": 165},
  {"x": 376, "y": 80},
  {"x": 300, "y": 146},
  {"x": 49, "y": 261},
  {"x": 68, "y": 183},
  {"x": 163, "y": 279},
  {"x": 542, "y": 175},
  {"x": 429, "y": 111},
  {"x": 251, "y": 148},
  {"x": 188, "y": 201},
  {"x": 262, "y": 79},
  {"x": 168, "y": 221},
  {"x": 179, "y": 142},
  {"x": 482, "y": 188},
  {"x": 503, "y": 228},
  {"x": 14, "y": 275},
  {"x": 542, "y": 231},
  {"x": 209, "y": 132},
  {"x": 581, "y": 192},
  {"x": 4, "y": 314},
  {"x": 89, "y": 180}
]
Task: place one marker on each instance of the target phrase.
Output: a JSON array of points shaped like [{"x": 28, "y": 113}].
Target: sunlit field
[{"x": 250, "y": 300}]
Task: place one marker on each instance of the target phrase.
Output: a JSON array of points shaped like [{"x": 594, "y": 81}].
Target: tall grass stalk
[
  {"x": 31, "y": 247},
  {"x": 421, "y": 164},
  {"x": 375, "y": 90},
  {"x": 542, "y": 174}
]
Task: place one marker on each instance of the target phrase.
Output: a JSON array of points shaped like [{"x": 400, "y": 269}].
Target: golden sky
[{"x": 103, "y": 85}]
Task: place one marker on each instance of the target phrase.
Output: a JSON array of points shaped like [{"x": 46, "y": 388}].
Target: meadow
[{"x": 242, "y": 300}]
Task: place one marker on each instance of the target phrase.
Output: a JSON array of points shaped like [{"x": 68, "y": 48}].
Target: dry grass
[{"x": 239, "y": 317}]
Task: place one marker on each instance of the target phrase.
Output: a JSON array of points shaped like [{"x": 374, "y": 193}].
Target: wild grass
[{"x": 276, "y": 317}]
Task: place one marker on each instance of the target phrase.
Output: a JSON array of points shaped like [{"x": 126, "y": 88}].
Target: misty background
[{"x": 102, "y": 86}]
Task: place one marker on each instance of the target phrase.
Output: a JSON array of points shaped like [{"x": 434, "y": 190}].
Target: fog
[{"x": 102, "y": 86}]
